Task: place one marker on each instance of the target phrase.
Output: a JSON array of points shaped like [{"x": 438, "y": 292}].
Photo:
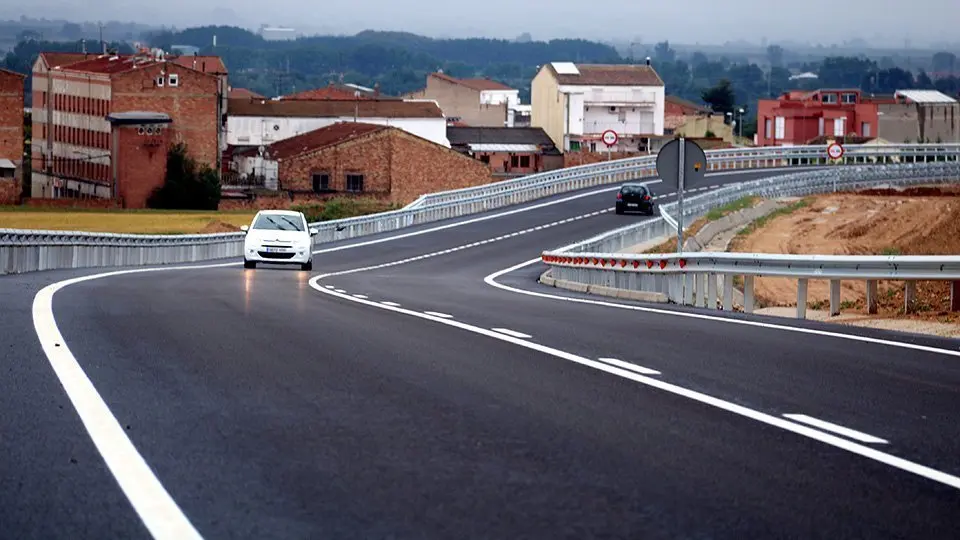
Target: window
[
  {"x": 768, "y": 128},
  {"x": 174, "y": 79},
  {"x": 838, "y": 127},
  {"x": 865, "y": 129},
  {"x": 848, "y": 97},
  {"x": 279, "y": 222},
  {"x": 514, "y": 161},
  {"x": 485, "y": 159},
  {"x": 524, "y": 161},
  {"x": 780, "y": 128},
  {"x": 321, "y": 182},
  {"x": 160, "y": 80},
  {"x": 355, "y": 182},
  {"x": 829, "y": 98}
]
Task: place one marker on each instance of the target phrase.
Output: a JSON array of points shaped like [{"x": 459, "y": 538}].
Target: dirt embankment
[{"x": 916, "y": 221}]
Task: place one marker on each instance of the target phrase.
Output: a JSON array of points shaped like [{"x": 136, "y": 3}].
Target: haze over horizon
[{"x": 695, "y": 21}]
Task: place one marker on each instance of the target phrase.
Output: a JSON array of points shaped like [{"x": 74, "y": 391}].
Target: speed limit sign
[
  {"x": 835, "y": 151},
  {"x": 610, "y": 137}
]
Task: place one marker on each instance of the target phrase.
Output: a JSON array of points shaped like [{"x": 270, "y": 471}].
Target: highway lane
[
  {"x": 37, "y": 456},
  {"x": 268, "y": 410},
  {"x": 903, "y": 396}
]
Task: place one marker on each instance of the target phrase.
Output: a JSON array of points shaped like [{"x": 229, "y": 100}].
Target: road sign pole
[{"x": 680, "y": 199}]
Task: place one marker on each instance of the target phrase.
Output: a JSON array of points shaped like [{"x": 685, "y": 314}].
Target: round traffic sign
[
  {"x": 610, "y": 137},
  {"x": 835, "y": 151}
]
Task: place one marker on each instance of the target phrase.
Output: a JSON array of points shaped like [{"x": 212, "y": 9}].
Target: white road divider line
[
  {"x": 513, "y": 333},
  {"x": 340, "y": 291},
  {"x": 437, "y": 314},
  {"x": 331, "y": 287},
  {"x": 774, "y": 421},
  {"x": 392, "y": 304},
  {"x": 632, "y": 367},
  {"x": 359, "y": 296},
  {"x": 838, "y": 429}
]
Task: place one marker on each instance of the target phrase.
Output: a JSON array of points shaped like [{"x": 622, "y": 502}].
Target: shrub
[{"x": 186, "y": 186}]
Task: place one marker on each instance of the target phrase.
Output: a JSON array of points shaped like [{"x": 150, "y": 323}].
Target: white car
[{"x": 278, "y": 237}]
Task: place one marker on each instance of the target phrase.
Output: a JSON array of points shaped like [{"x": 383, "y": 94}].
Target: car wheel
[
  {"x": 307, "y": 266},
  {"x": 249, "y": 264}
]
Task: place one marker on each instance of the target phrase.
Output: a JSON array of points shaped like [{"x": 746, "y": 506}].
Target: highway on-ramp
[{"x": 421, "y": 384}]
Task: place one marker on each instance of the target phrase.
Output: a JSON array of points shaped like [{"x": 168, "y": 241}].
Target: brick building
[
  {"x": 340, "y": 91},
  {"x": 77, "y": 122},
  {"x": 797, "y": 117},
  {"x": 508, "y": 151},
  {"x": 368, "y": 159},
  {"x": 11, "y": 135}
]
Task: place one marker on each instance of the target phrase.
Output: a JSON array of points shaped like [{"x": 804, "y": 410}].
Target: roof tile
[
  {"x": 612, "y": 75},
  {"x": 474, "y": 84},
  {"x": 321, "y": 138},
  {"x": 326, "y": 108}
]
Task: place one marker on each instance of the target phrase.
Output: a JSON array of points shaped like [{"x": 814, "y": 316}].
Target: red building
[
  {"x": 98, "y": 119},
  {"x": 11, "y": 135},
  {"x": 798, "y": 117}
]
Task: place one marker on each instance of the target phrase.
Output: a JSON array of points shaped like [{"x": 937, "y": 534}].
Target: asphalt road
[{"x": 269, "y": 409}]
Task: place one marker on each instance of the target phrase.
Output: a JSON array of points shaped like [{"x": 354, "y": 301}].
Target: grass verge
[
  {"x": 670, "y": 246},
  {"x": 343, "y": 207},
  {"x": 122, "y": 221},
  {"x": 763, "y": 220}
]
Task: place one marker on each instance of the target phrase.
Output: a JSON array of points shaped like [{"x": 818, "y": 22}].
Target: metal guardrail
[
  {"x": 691, "y": 278},
  {"x": 24, "y": 251}
]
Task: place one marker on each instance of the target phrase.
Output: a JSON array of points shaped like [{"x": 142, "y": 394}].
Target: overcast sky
[{"x": 682, "y": 21}]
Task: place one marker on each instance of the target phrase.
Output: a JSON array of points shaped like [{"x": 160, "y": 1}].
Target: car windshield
[
  {"x": 633, "y": 190},
  {"x": 278, "y": 222}
]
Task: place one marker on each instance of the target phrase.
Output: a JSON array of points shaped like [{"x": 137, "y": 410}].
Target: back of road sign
[{"x": 695, "y": 164}]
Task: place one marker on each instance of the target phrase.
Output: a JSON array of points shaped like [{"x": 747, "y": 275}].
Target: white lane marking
[
  {"x": 331, "y": 287},
  {"x": 632, "y": 367},
  {"x": 799, "y": 429},
  {"x": 392, "y": 304},
  {"x": 360, "y": 296},
  {"x": 437, "y": 314},
  {"x": 492, "y": 216},
  {"x": 838, "y": 429},
  {"x": 549, "y": 203},
  {"x": 451, "y": 250},
  {"x": 340, "y": 290},
  {"x": 150, "y": 500},
  {"x": 491, "y": 280},
  {"x": 513, "y": 333}
]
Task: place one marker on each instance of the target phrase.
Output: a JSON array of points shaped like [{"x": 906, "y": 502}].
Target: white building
[
  {"x": 576, "y": 103},
  {"x": 278, "y": 33},
  {"x": 255, "y": 122}
]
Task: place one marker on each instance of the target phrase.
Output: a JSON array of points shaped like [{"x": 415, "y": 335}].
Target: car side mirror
[
  {"x": 244, "y": 228},
  {"x": 314, "y": 231}
]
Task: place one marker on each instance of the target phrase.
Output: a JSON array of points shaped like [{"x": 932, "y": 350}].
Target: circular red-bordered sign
[
  {"x": 835, "y": 151},
  {"x": 609, "y": 137}
]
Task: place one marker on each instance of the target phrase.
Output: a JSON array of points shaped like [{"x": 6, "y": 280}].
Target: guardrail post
[
  {"x": 834, "y": 297},
  {"x": 748, "y": 294},
  {"x": 955, "y": 296},
  {"x": 728, "y": 292},
  {"x": 711, "y": 291},
  {"x": 688, "y": 283},
  {"x": 909, "y": 296},
  {"x": 802, "y": 298},
  {"x": 872, "y": 296}
]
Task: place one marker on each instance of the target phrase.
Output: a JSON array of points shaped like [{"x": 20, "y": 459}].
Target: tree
[
  {"x": 721, "y": 97},
  {"x": 186, "y": 186}
]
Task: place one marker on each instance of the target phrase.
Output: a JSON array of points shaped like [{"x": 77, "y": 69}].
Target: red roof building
[
  {"x": 797, "y": 117},
  {"x": 86, "y": 106}
]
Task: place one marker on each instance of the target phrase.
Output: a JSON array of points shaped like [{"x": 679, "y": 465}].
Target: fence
[
  {"x": 24, "y": 251},
  {"x": 692, "y": 278}
]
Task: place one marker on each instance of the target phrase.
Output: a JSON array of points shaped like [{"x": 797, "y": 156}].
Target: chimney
[
  {"x": 648, "y": 60},
  {"x": 376, "y": 89}
]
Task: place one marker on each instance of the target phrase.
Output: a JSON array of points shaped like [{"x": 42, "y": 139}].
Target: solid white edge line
[
  {"x": 438, "y": 314},
  {"x": 392, "y": 304},
  {"x": 491, "y": 280},
  {"x": 513, "y": 333},
  {"x": 360, "y": 296},
  {"x": 799, "y": 429},
  {"x": 632, "y": 367},
  {"x": 150, "y": 500},
  {"x": 836, "y": 428}
]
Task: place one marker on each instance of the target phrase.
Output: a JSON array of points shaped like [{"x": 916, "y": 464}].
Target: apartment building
[
  {"x": 86, "y": 106},
  {"x": 576, "y": 103},
  {"x": 474, "y": 102},
  {"x": 11, "y": 135}
]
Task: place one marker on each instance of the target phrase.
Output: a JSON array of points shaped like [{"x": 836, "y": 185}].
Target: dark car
[{"x": 635, "y": 198}]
